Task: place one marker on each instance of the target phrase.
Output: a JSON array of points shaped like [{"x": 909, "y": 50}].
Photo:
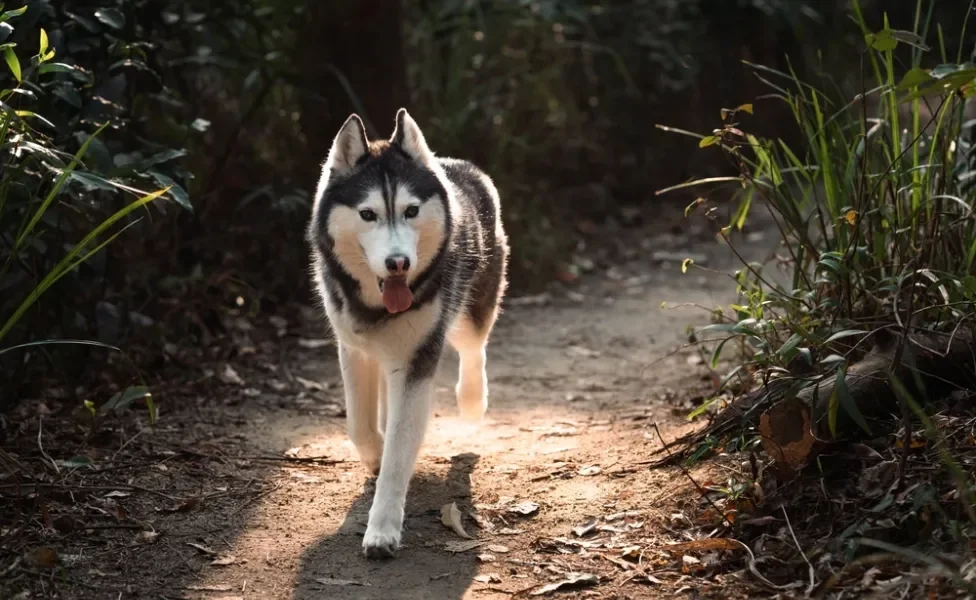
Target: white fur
[{"x": 386, "y": 417}]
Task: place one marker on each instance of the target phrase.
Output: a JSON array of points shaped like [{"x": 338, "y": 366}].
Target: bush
[
  {"x": 876, "y": 215},
  {"x": 67, "y": 176}
]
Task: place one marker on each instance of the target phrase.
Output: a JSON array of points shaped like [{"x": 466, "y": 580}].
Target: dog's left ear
[{"x": 409, "y": 138}]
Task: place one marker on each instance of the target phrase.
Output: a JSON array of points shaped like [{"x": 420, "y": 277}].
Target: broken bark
[{"x": 795, "y": 428}]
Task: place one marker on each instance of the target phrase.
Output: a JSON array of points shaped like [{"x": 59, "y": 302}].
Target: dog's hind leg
[
  {"x": 470, "y": 341},
  {"x": 410, "y": 388},
  {"x": 361, "y": 383}
]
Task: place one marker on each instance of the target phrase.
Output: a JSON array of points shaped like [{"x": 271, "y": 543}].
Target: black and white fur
[{"x": 442, "y": 216}]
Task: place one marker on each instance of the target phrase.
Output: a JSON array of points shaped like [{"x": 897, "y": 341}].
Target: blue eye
[
  {"x": 411, "y": 212},
  {"x": 367, "y": 215}
]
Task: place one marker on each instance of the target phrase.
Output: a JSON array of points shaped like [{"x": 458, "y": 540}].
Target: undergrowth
[
  {"x": 875, "y": 211},
  {"x": 877, "y": 243}
]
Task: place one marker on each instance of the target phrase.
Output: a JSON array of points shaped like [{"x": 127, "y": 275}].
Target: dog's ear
[
  {"x": 349, "y": 145},
  {"x": 409, "y": 138}
]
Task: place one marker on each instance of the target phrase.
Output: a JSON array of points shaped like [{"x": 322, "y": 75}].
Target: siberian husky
[{"x": 407, "y": 252}]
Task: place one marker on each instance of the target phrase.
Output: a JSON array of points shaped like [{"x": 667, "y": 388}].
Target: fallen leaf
[
  {"x": 632, "y": 553},
  {"x": 497, "y": 548},
  {"x": 41, "y": 558},
  {"x": 586, "y": 527},
  {"x": 147, "y": 537},
  {"x": 488, "y": 578},
  {"x": 230, "y": 376},
  {"x": 311, "y": 385},
  {"x": 339, "y": 582},
  {"x": 525, "y": 508},
  {"x": 590, "y": 471},
  {"x": 486, "y": 558},
  {"x": 510, "y": 531},
  {"x": 451, "y": 518},
  {"x": 117, "y": 494},
  {"x": 785, "y": 432},
  {"x": 465, "y": 546},
  {"x": 573, "y": 581},
  {"x": 224, "y": 561},
  {"x": 689, "y": 564}
]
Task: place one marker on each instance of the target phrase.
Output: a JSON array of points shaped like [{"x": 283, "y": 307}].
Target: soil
[{"x": 248, "y": 487}]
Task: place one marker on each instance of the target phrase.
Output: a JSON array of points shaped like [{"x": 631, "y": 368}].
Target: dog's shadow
[{"x": 334, "y": 567}]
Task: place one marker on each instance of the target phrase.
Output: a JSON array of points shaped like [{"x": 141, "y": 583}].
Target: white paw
[
  {"x": 472, "y": 400},
  {"x": 381, "y": 541}
]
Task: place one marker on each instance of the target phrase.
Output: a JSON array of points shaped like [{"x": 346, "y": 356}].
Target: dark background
[{"x": 236, "y": 102}]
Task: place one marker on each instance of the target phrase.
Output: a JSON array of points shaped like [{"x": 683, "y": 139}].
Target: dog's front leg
[
  {"x": 360, "y": 381},
  {"x": 409, "y": 389}
]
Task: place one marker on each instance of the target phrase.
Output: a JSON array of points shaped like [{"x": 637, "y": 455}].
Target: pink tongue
[{"x": 397, "y": 297}]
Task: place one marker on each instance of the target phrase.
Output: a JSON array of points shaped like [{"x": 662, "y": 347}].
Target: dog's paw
[{"x": 380, "y": 543}]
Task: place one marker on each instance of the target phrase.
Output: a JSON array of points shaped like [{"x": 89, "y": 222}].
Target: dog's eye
[
  {"x": 367, "y": 215},
  {"x": 411, "y": 212}
]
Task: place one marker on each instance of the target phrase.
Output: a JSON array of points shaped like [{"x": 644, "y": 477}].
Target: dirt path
[{"x": 575, "y": 384}]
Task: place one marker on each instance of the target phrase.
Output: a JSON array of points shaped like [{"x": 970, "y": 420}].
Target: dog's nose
[{"x": 397, "y": 264}]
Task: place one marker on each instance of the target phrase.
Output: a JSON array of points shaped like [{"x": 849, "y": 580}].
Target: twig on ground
[
  {"x": 40, "y": 446},
  {"x": 810, "y": 569},
  {"x": 312, "y": 460}
]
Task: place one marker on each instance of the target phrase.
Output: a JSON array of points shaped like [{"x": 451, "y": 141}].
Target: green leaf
[
  {"x": 176, "y": 191},
  {"x": 91, "y": 182},
  {"x": 909, "y": 37},
  {"x": 42, "y": 48},
  {"x": 914, "y": 78},
  {"x": 686, "y": 263},
  {"x": 10, "y": 14},
  {"x": 76, "y": 73},
  {"x": 125, "y": 398},
  {"x": 883, "y": 41},
  {"x": 717, "y": 352},
  {"x": 90, "y": 406},
  {"x": 111, "y": 17},
  {"x": 969, "y": 286},
  {"x": 841, "y": 397},
  {"x": 12, "y": 61},
  {"x": 709, "y": 140},
  {"x": 845, "y": 333}
]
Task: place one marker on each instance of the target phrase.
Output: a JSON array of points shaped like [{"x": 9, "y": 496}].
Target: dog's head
[{"x": 381, "y": 210}]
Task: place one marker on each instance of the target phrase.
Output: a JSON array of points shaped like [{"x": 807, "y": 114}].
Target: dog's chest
[{"x": 393, "y": 340}]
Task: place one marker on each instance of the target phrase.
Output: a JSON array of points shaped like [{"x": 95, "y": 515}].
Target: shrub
[
  {"x": 66, "y": 182},
  {"x": 876, "y": 214}
]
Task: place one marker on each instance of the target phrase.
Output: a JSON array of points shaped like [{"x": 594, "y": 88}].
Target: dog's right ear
[{"x": 349, "y": 146}]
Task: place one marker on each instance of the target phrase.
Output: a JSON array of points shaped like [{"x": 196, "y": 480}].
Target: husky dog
[{"x": 408, "y": 252}]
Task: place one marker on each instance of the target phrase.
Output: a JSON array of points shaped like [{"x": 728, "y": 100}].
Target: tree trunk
[{"x": 351, "y": 56}]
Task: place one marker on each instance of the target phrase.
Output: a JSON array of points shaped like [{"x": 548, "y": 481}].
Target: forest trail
[
  {"x": 578, "y": 385},
  {"x": 575, "y": 386}
]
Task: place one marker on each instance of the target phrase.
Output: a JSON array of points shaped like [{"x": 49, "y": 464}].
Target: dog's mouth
[{"x": 397, "y": 296}]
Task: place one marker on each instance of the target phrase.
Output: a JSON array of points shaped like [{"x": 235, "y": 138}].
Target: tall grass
[{"x": 875, "y": 209}]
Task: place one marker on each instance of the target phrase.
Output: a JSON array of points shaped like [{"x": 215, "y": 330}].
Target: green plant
[
  {"x": 875, "y": 211},
  {"x": 58, "y": 210}
]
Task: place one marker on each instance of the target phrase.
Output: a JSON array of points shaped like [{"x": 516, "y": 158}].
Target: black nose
[{"x": 397, "y": 264}]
